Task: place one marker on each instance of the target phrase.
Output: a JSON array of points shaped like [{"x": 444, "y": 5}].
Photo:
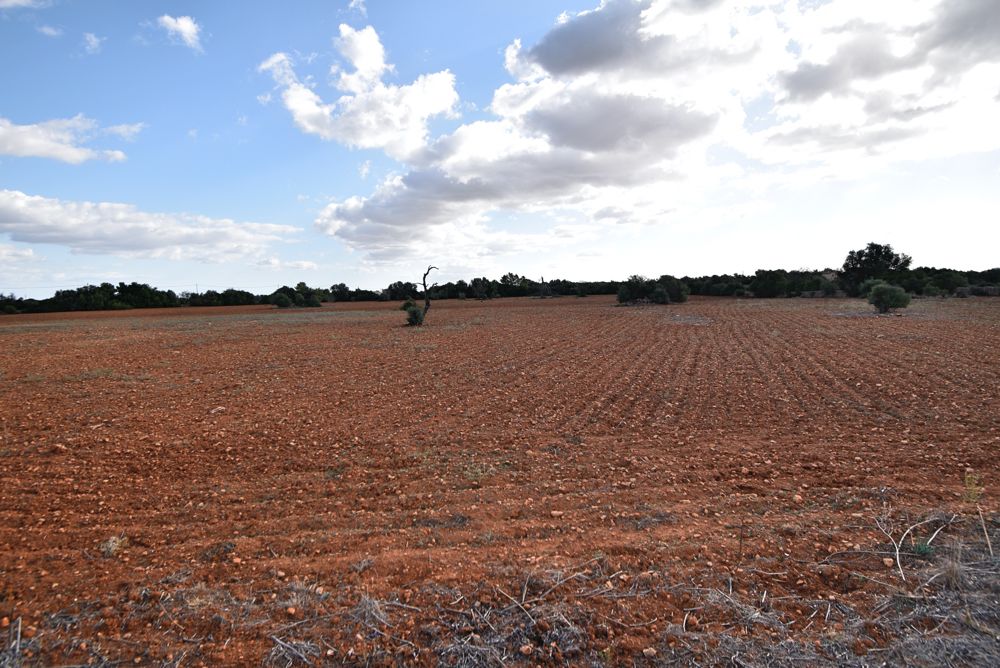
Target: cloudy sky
[{"x": 252, "y": 144}]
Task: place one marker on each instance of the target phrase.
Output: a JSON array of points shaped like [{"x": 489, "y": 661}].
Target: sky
[{"x": 198, "y": 146}]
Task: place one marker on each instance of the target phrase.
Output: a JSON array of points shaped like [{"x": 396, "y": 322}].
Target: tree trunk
[{"x": 427, "y": 293}]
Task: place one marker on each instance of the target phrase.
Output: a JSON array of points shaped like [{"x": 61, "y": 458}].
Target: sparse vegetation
[
  {"x": 886, "y": 298},
  {"x": 281, "y": 300},
  {"x": 414, "y": 316},
  {"x": 112, "y": 546}
]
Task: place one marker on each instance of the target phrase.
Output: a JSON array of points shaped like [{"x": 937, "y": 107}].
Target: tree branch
[{"x": 427, "y": 294}]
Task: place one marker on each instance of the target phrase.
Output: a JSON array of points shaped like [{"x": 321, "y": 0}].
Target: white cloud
[
  {"x": 19, "y": 4},
  {"x": 50, "y": 31},
  {"x": 369, "y": 113},
  {"x": 92, "y": 43},
  {"x": 124, "y": 230},
  {"x": 358, "y": 6},
  {"x": 182, "y": 28},
  {"x": 279, "y": 264},
  {"x": 639, "y": 110},
  {"x": 13, "y": 255},
  {"x": 127, "y": 131},
  {"x": 61, "y": 139}
]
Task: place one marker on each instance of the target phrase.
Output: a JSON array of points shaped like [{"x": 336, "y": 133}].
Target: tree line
[{"x": 875, "y": 262}]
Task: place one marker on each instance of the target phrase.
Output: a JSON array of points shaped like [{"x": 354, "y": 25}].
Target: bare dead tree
[{"x": 427, "y": 293}]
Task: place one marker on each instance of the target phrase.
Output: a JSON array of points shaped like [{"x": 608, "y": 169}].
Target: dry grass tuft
[{"x": 112, "y": 546}]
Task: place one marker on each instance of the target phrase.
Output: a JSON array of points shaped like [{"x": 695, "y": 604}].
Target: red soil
[{"x": 270, "y": 470}]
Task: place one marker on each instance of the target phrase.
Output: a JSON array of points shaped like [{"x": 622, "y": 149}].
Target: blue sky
[{"x": 255, "y": 144}]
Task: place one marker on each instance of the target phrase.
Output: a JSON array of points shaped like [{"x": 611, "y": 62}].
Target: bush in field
[
  {"x": 414, "y": 316},
  {"x": 281, "y": 300},
  {"x": 664, "y": 290},
  {"x": 867, "y": 286},
  {"x": 636, "y": 288},
  {"x": 408, "y": 304},
  {"x": 313, "y": 301},
  {"x": 886, "y": 297},
  {"x": 675, "y": 288}
]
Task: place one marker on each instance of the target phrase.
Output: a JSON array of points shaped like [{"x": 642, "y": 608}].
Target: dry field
[{"x": 559, "y": 482}]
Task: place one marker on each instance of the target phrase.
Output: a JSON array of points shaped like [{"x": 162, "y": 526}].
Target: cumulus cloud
[
  {"x": 50, "y": 31},
  {"x": 183, "y": 29},
  {"x": 124, "y": 230},
  {"x": 12, "y": 254},
  {"x": 370, "y": 113},
  {"x": 61, "y": 139},
  {"x": 631, "y": 110}
]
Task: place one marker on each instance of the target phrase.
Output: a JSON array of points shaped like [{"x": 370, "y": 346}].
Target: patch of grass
[
  {"x": 362, "y": 565},
  {"x": 475, "y": 472},
  {"x": 113, "y": 546},
  {"x": 455, "y": 521},
  {"x": 972, "y": 487}
]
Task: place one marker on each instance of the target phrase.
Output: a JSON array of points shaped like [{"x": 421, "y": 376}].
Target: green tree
[{"x": 873, "y": 261}]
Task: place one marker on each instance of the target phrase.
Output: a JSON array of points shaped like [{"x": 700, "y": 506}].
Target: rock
[
  {"x": 649, "y": 652},
  {"x": 526, "y": 650},
  {"x": 556, "y": 513},
  {"x": 889, "y": 563}
]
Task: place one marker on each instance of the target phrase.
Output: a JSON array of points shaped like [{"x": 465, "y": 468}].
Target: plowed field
[{"x": 541, "y": 481}]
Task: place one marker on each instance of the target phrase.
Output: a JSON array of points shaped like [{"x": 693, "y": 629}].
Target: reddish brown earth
[{"x": 546, "y": 481}]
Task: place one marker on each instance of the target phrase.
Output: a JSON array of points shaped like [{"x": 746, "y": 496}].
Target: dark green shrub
[
  {"x": 9, "y": 309},
  {"x": 866, "y": 286},
  {"x": 313, "y": 301},
  {"x": 281, "y": 300},
  {"x": 636, "y": 288},
  {"x": 886, "y": 297},
  {"x": 676, "y": 289},
  {"x": 414, "y": 316},
  {"x": 659, "y": 295},
  {"x": 408, "y": 304}
]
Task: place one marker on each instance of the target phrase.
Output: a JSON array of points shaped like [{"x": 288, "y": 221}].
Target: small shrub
[
  {"x": 112, "y": 546},
  {"x": 414, "y": 316},
  {"x": 9, "y": 309},
  {"x": 312, "y": 301},
  {"x": 281, "y": 300},
  {"x": 408, "y": 304},
  {"x": 676, "y": 289},
  {"x": 868, "y": 285},
  {"x": 973, "y": 488},
  {"x": 659, "y": 295},
  {"x": 885, "y": 297}
]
